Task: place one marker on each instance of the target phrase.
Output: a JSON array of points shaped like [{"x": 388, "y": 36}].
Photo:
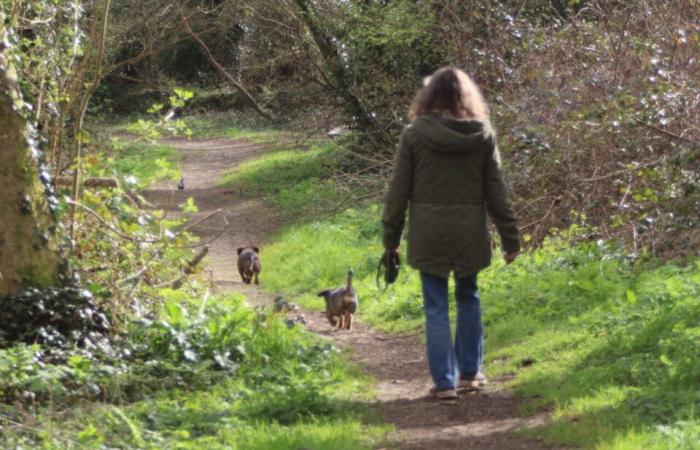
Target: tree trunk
[{"x": 27, "y": 253}]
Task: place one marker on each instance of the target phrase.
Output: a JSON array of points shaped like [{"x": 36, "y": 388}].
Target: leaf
[
  {"x": 184, "y": 93},
  {"x": 189, "y": 206},
  {"x": 175, "y": 314},
  {"x": 157, "y": 107},
  {"x": 631, "y": 297}
]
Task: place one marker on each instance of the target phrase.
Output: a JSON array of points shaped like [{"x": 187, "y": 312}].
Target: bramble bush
[{"x": 595, "y": 103}]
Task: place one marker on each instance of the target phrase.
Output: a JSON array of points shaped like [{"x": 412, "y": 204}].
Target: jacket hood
[{"x": 450, "y": 135}]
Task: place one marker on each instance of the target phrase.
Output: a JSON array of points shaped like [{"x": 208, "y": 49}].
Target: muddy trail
[{"x": 227, "y": 219}]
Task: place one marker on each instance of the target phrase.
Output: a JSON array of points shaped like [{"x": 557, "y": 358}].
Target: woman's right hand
[{"x": 510, "y": 256}]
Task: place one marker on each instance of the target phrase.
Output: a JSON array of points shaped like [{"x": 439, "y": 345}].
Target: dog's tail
[{"x": 350, "y": 275}]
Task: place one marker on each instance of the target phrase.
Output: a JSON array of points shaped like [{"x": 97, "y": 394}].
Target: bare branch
[
  {"x": 223, "y": 71},
  {"x": 93, "y": 182},
  {"x": 667, "y": 133}
]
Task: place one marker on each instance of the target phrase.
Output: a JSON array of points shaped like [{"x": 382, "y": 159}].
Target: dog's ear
[
  {"x": 240, "y": 249},
  {"x": 256, "y": 249}
]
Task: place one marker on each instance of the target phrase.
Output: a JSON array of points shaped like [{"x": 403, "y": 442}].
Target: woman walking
[{"x": 448, "y": 168}]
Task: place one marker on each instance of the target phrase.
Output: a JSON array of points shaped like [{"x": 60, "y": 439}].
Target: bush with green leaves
[
  {"x": 56, "y": 317},
  {"x": 210, "y": 372},
  {"x": 23, "y": 377},
  {"x": 124, "y": 253}
]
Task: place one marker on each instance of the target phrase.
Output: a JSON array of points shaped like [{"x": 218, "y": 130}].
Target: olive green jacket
[{"x": 449, "y": 171}]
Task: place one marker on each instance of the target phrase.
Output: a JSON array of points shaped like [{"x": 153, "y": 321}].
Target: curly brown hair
[{"x": 450, "y": 92}]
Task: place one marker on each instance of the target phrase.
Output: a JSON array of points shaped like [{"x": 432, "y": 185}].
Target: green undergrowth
[
  {"x": 141, "y": 163},
  {"x": 322, "y": 253},
  {"x": 223, "y": 125},
  {"x": 202, "y": 374},
  {"x": 197, "y": 126},
  {"x": 295, "y": 181},
  {"x": 610, "y": 347}
]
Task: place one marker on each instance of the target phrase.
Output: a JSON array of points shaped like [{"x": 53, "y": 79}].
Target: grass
[
  {"x": 294, "y": 181},
  {"x": 199, "y": 420},
  {"x": 614, "y": 346},
  {"x": 210, "y": 125},
  {"x": 197, "y": 375},
  {"x": 608, "y": 346},
  {"x": 280, "y": 389},
  {"x": 223, "y": 125},
  {"x": 142, "y": 163}
]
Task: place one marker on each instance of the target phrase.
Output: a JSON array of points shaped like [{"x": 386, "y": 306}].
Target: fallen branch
[
  {"x": 93, "y": 182},
  {"x": 192, "y": 264},
  {"x": 189, "y": 269}
]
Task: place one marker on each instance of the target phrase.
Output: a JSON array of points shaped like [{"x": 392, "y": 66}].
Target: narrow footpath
[{"x": 485, "y": 420}]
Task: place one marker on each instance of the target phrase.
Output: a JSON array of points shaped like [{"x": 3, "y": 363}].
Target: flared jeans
[{"x": 447, "y": 360}]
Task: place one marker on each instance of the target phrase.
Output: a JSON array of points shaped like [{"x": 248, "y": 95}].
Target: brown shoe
[
  {"x": 473, "y": 382},
  {"x": 444, "y": 394}
]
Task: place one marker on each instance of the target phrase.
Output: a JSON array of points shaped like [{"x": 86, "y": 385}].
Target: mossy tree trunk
[{"x": 27, "y": 253}]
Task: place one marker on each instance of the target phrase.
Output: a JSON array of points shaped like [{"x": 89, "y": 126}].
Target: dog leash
[{"x": 391, "y": 263}]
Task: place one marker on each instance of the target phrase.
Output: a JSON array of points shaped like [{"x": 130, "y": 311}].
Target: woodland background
[{"x": 596, "y": 104}]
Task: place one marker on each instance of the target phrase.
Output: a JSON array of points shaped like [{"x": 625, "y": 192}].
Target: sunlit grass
[
  {"x": 294, "y": 180},
  {"x": 609, "y": 348},
  {"x": 143, "y": 162},
  {"x": 222, "y": 125}
]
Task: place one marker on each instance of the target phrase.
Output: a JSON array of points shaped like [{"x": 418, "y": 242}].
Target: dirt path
[
  {"x": 241, "y": 221},
  {"x": 485, "y": 420}
]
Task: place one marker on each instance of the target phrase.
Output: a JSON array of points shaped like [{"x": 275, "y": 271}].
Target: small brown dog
[
  {"x": 341, "y": 304},
  {"x": 249, "y": 264}
]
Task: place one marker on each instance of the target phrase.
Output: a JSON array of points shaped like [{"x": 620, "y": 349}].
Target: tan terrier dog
[{"x": 341, "y": 304}]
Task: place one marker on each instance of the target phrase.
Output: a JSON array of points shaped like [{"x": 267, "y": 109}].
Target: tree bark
[{"x": 27, "y": 251}]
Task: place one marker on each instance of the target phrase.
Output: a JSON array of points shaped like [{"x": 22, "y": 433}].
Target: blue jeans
[{"x": 448, "y": 361}]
